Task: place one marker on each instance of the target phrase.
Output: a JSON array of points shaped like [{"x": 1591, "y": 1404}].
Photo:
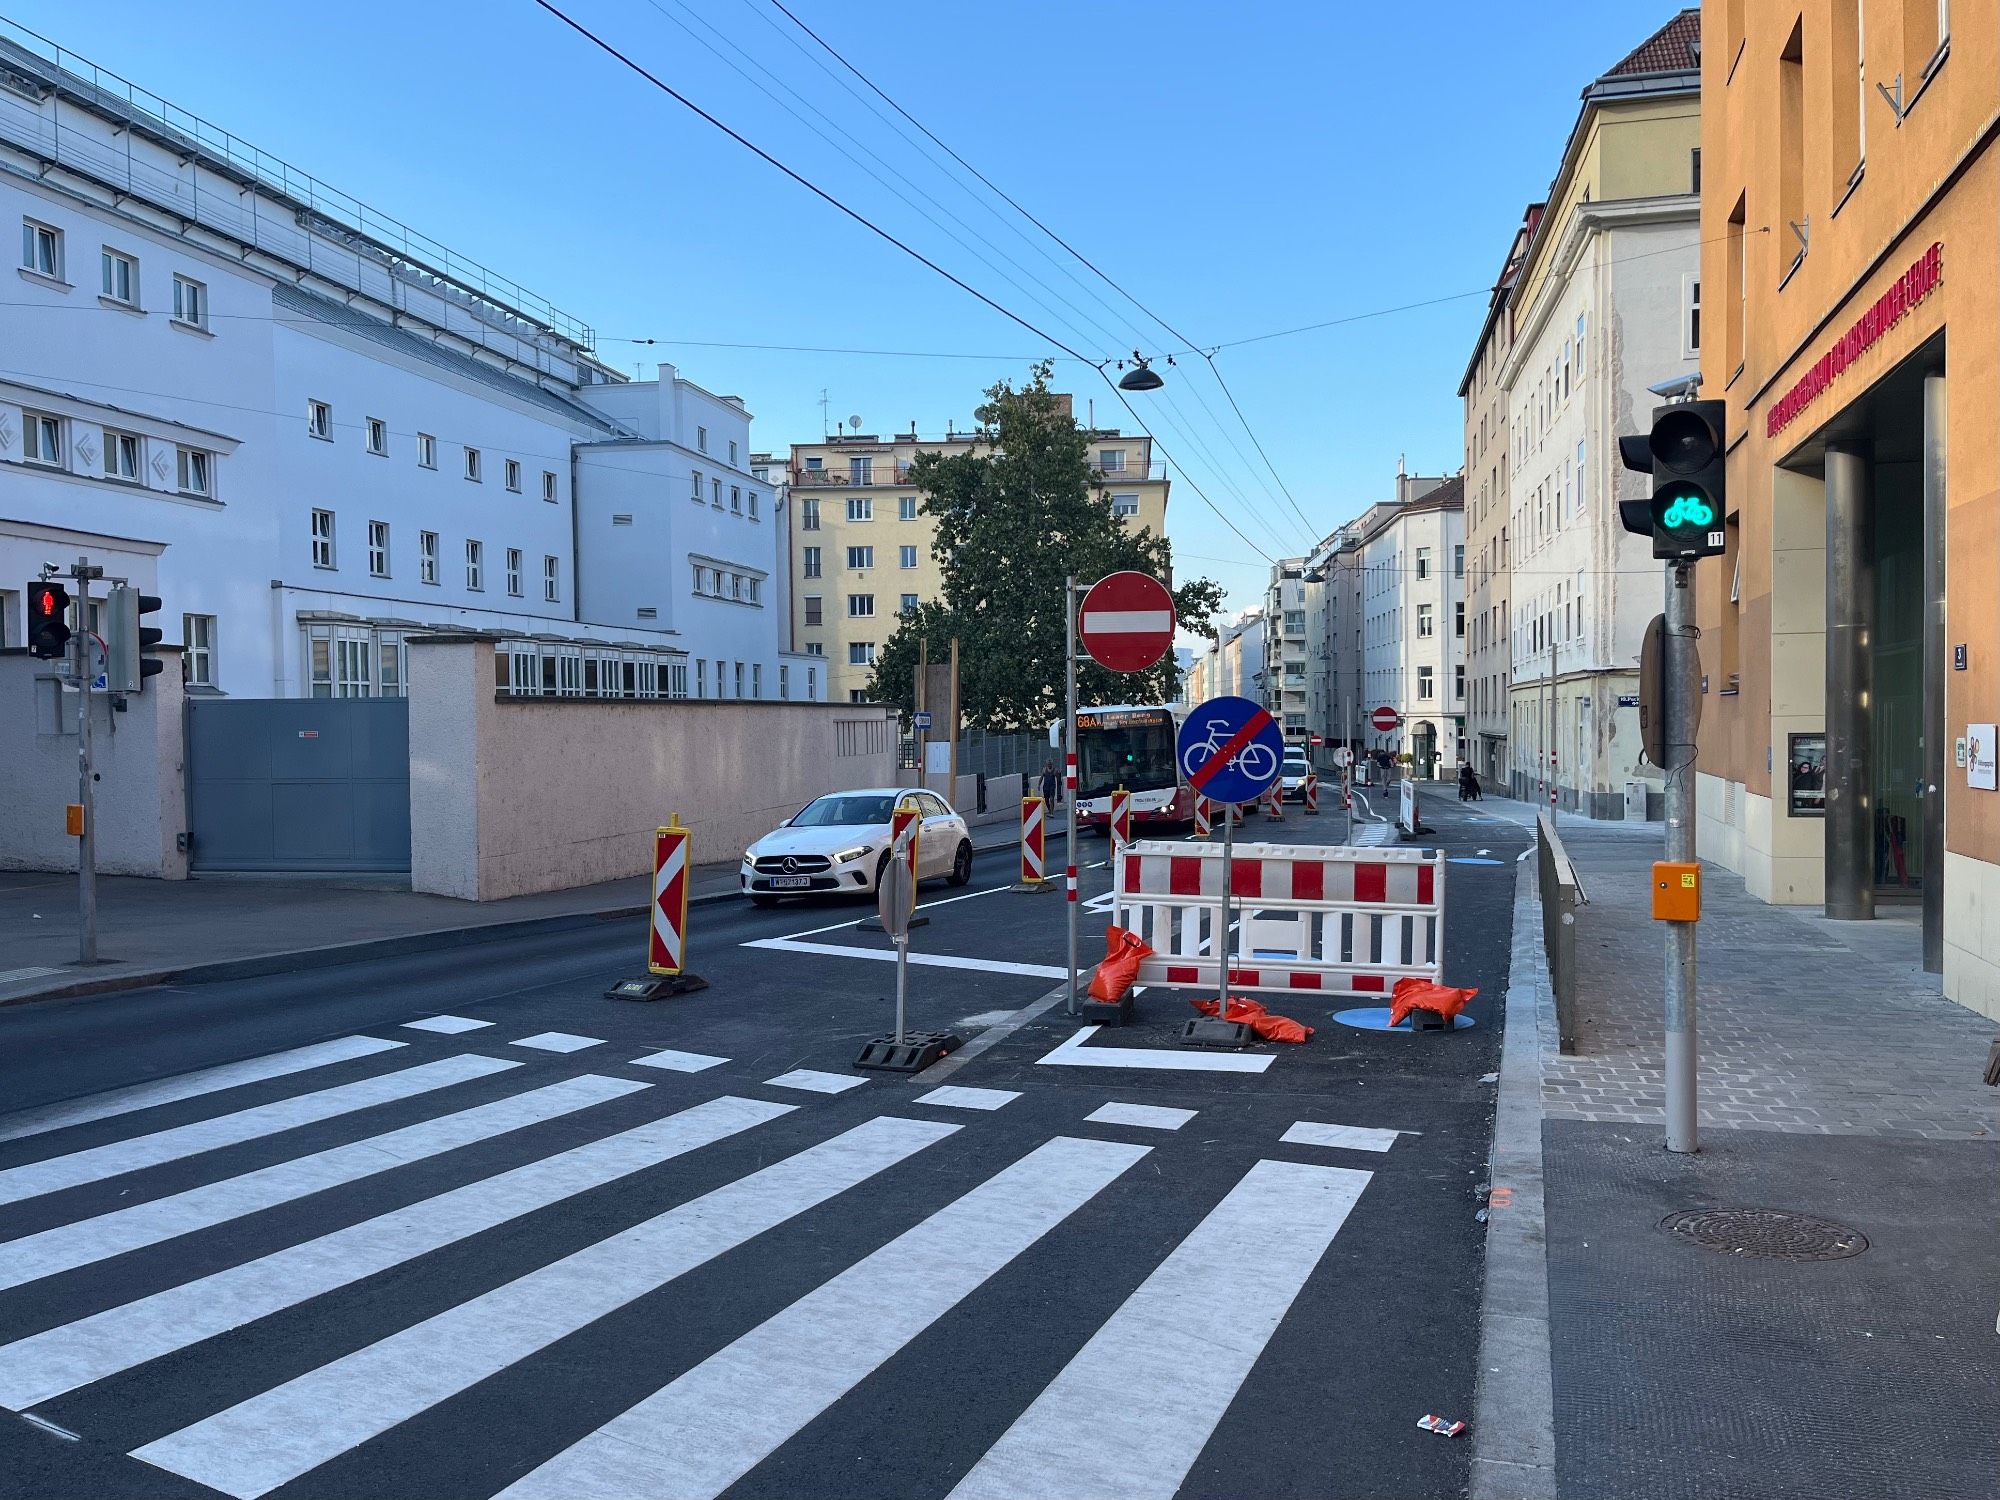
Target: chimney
[{"x": 1065, "y": 403}]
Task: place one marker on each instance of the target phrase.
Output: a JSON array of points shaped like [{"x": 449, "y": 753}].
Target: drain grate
[{"x": 1767, "y": 1233}]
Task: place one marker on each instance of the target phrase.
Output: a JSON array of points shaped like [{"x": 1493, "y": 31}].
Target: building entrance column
[
  {"x": 1936, "y": 727},
  {"x": 1850, "y": 673}
]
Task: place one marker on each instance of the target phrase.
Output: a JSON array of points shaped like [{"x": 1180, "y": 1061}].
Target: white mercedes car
[{"x": 840, "y": 842}]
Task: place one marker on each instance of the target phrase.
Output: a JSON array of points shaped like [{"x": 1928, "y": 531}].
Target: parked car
[
  {"x": 840, "y": 842},
  {"x": 1293, "y": 772}
]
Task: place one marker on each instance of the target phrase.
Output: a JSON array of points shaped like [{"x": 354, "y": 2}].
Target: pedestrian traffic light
[
  {"x": 48, "y": 620},
  {"x": 127, "y": 638},
  {"x": 1684, "y": 454}
]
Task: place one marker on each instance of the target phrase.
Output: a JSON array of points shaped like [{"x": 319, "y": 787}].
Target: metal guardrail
[{"x": 1562, "y": 893}]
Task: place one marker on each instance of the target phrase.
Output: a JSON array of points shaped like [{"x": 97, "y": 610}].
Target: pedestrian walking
[{"x": 1049, "y": 783}]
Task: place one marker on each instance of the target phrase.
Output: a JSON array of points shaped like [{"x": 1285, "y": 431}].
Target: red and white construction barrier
[
  {"x": 1274, "y": 806},
  {"x": 1033, "y": 833},
  {"x": 666, "y": 951},
  {"x": 908, "y": 819},
  {"x": 1121, "y": 818},
  {"x": 1312, "y": 793},
  {"x": 1204, "y": 816},
  {"x": 1336, "y": 920}
]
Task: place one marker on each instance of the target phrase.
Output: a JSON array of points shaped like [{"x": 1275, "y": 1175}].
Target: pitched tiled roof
[{"x": 1674, "y": 48}]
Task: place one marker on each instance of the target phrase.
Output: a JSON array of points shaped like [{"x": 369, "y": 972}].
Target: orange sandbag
[
  {"x": 1420, "y": 994},
  {"x": 1123, "y": 953},
  {"x": 1268, "y": 1028}
]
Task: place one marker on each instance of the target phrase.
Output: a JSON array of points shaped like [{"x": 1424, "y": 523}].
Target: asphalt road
[{"x": 303, "y": 1247}]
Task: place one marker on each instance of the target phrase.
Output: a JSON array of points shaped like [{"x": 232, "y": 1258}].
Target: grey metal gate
[{"x": 308, "y": 785}]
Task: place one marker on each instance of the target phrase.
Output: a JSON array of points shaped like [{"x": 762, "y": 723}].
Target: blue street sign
[
  {"x": 921, "y": 719},
  {"x": 1230, "y": 749}
]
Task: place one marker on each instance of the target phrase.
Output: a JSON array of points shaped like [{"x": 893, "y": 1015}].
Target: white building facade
[
  {"x": 1410, "y": 559},
  {"x": 315, "y": 433}
]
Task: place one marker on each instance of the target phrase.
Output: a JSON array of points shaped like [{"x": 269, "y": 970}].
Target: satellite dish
[{"x": 854, "y": 423}]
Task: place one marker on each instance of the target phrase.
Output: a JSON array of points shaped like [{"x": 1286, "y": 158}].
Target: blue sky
[{"x": 1290, "y": 164}]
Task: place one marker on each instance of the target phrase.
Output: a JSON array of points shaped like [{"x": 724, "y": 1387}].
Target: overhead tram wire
[
  {"x": 1085, "y": 260},
  {"x": 917, "y": 255}
]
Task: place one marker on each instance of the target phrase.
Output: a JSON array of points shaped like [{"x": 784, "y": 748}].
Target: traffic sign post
[
  {"x": 895, "y": 898},
  {"x": 1230, "y": 749},
  {"x": 666, "y": 922}
]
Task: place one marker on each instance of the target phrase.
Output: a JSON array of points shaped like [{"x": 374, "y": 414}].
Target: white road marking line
[
  {"x": 1073, "y": 1054},
  {"x": 86, "y": 1241},
  {"x": 816, "y": 1082},
  {"x": 274, "y": 1437},
  {"x": 1343, "y": 1137},
  {"x": 1151, "y": 1116},
  {"x": 865, "y": 917},
  {"x": 47, "y": 1426},
  {"x": 118, "y": 1157},
  {"x": 680, "y": 1062},
  {"x": 1176, "y": 1352},
  {"x": 925, "y": 960},
  {"x": 15, "y": 976},
  {"x": 698, "y": 1435},
  {"x": 192, "y": 1085},
  {"x": 956, "y": 1096},
  {"x": 44, "y": 1365},
  {"x": 448, "y": 1025},
  {"x": 559, "y": 1041}
]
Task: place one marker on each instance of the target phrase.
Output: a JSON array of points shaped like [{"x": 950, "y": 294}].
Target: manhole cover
[{"x": 1767, "y": 1233}]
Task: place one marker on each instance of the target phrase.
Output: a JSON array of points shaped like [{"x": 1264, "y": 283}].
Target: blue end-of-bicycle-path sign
[{"x": 1230, "y": 749}]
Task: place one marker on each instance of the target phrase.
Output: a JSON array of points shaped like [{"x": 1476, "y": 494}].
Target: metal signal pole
[
  {"x": 1682, "y": 669},
  {"x": 1069, "y": 774},
  {"x": 86, "y": 774}
]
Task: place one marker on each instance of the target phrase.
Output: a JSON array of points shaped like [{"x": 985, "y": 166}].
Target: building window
[
  {"x": 715, "y": 499},
  {"x": 809, "y": 515},
  {"x": 1112, "y": 461},
  {"x": 739, "y": 679},
  {"x": 121, "y": 456},
  {"x": 427, "y": 451},
  {"x": 378, "y": 437},
  {"x": 860, "y": 606},
  {"x": 859, "y": 558},
  {"x": 906, "y": 507},
  {"x": 41, "y": 249},
  {"x": 190, "y": 302},
  {"x": 811, "y": 557},
  {"x": 861, "y": 508},
  {"x": 43, "y": 438},
  {"x": 549, "y": 486},
  {"x": 1458, "y": 682},
  {"x": 1738, "y": 261},
  {"x": 784, "y": 681},
  {"x": 1458, "y": 548},
  {"x": 322, "y": 538},
  {"x": 861, "y": 471},
  {"x": 856, "y": 695},
  {"x": 907, "y": 556},
  {"x": 861, "y": 653},
  {"x": 815, "y": 648},
  {"x": 815, "y": 610},
  {"x": 701, "y": 677},
  {"x": 1425, "y": 628},
  {"x": 475, "y": 566},
  {"x": 514, "y": 572},
  {"x": 378, "y": 548},
  {"x": 752, "y": 590},
  {"x": 757, "y": 670},
  {"x": 753, "y": 504},
  {"x": 1423, "y": 562},
  {"x": 1426, "y": 686},
  {"x": 194, "y": 474},
  {"x": 701, "y": 438},
  {"x": 472, "y": 465},
  {"x": 427, "y": 556},
  {"x": 1124, "y": 505},
  {"x": 812, "y": 684},
  {"x": 551, "y": 579},
  {"x": 736, "y": 498},
  {"x": 1691, "y": 297},
  {"x": 121, "y": 278},
  {"x": 198, "y": 650},
  {"x": 514, "y": 475},
  {"x": 697, "y": 486},
  {"x": 1458, "y": 619},
  {"x": 909, "y": 605},
  {"x": 319, "y": 420},
  {"x": 732, "y": 450}
]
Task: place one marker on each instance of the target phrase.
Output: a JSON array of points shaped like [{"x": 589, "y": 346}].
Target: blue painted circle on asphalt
[
  {"x": 1250, "y": 772},
  {"x": 1376, "y": 1018}
]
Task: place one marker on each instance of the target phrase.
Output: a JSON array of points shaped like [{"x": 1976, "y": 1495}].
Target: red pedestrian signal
[{"x": 48, "y": 621}]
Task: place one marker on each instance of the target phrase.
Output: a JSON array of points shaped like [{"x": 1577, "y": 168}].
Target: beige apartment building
[
  {"x": 1488, "y": 654},
  {"x": 861, "y": 545}
]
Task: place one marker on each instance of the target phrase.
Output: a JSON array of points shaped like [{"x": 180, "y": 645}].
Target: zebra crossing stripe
[
  {"x": 100, "y": 1162},
  {"x": 272, "y": 1438},
  {"x": 697, "y": 1436},
  {"x": 61, "y": 1359},
  {"x": 191, "y": 1085},
  {"x": 1176, "y": 1351},
  {"x": 88, "y": 1241}
]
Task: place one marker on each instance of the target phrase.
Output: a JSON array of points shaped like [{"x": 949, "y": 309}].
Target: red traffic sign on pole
[
  {"x": 1127, "y": 621},
  {"x": 1386, "y": 719}
]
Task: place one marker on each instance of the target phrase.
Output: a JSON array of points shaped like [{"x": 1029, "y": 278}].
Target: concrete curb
[
  {"x": 1513, "y": 1418},
  {"x": 285, "y": 961}
]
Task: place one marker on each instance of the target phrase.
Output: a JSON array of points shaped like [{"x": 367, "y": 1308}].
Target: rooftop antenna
[
  {"x": 854, "y": 423},
  {"x": 823, "y": 429}
]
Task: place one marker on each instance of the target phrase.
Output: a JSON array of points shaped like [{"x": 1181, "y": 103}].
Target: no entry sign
[
  {"x": 1127, "y": 621},
  {"x": 1385, "y": 719}
]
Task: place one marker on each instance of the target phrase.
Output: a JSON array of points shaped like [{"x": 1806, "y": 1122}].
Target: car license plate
[{"x": 790, "y": 882}]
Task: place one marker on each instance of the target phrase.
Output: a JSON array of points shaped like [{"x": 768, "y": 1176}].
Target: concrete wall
[
  {"x": 141, "y": 807},
  {"x": 502, "y": 802}
]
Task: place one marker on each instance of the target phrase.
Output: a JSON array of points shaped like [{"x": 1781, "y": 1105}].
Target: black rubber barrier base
[
  {"x": 1106, "y": 1012},
  {"x": 917, "y": 1051},
  {"x": 874, "y": 924},
  {"x": 656, "y": 987},
  {"x": 1211, "y": 1031}
]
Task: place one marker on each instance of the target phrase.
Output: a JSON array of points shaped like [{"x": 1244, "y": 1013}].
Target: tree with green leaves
[{"x": 1016, "y": 515}]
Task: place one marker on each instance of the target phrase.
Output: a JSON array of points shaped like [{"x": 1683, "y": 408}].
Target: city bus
[{"x": 1128, "y": 745}]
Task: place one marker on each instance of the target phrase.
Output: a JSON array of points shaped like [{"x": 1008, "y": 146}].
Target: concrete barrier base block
[{"x": 1105, "y": 1012}]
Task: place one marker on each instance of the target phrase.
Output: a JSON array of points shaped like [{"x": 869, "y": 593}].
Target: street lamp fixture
[{"x": 1141, "y": 377}]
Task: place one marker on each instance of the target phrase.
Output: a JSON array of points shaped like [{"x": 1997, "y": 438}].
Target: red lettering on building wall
[{"x": 1924, "y": 276}]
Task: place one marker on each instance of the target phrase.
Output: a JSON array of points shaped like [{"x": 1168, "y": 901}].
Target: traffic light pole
[
  {"x": 1681, "y": 669},
  {"x": 1069, "y": 777},
  {"x": 86, "y": 844}
]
